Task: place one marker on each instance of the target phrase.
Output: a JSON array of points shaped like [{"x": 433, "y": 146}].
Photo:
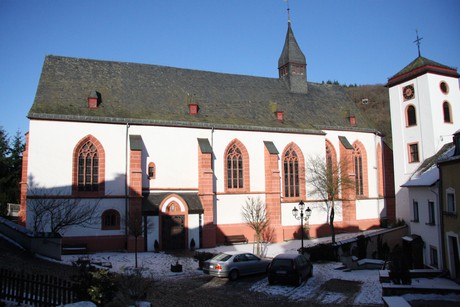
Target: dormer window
[{"x": 193, "y": 108}]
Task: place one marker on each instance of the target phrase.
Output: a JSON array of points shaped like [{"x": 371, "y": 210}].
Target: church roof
[
  {"x": 158, "y": 95},
  {"x": 291, "y": 51},
  {"x": 420, "y": 66}
]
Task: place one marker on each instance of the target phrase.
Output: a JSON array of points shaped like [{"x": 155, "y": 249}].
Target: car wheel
[
  {"x": 233, "y": 275},
  {"x": 298, "y": 282}
]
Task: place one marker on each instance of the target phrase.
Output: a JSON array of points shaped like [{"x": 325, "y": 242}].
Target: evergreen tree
[
  {"x": 10, "y": 168},
  {"x": 4, "y": 169}
]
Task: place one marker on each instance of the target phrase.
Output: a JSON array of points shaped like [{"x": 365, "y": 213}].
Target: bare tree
[
  {"x": 55, "y": 212},
  {"x": 329, "y": 179},
  {"x": 256, "y": 216}
]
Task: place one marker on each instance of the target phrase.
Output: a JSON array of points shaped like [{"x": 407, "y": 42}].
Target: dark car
[
  {"x": 289, "y": 268},
  {"x": 235, "y": 264}
]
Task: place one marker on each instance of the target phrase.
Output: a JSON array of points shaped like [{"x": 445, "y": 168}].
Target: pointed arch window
[
  {"x": 447, "y": 112},
  {"x": 88, "y": 166},
  {"x": 235, "y": 179},
  {"x": 236, "y": 168},
  {"x": 360, "y": 168},
  {"x": 291, "y": 174},
  {"x": 331, "y": 169},
  {"x": 411, "y": 117}
]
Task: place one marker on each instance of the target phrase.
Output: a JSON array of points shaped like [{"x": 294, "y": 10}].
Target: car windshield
[
  {"x": 278, "y": 263},
  {"x": 222, "y": 257}
]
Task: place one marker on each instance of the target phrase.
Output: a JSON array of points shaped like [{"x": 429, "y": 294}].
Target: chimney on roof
[
  {"x": 279, "y": 115},
  {"x": 94, "y": 99},
  {"x": 352, "y": 119},
  {"x": 193, "y": 108}
]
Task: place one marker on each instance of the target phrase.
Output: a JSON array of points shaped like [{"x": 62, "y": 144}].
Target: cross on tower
[
  {"x": 288, "y": 10},
  {"x": 417, "y": 41}
]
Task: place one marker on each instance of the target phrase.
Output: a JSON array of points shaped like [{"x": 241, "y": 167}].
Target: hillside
[{"x": 377, "y": 107}]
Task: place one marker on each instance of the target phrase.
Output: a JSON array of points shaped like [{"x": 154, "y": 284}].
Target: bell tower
[{"x": 292, "y": 65}]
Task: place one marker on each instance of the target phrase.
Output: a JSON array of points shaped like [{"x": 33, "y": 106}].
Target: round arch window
[{"x": 444, "y": 87}]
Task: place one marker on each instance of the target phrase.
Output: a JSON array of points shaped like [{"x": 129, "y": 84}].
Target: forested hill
[{"x": 374, "y": 103}]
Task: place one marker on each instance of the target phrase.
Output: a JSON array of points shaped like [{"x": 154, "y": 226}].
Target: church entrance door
[{"x": 173, "y": 232}]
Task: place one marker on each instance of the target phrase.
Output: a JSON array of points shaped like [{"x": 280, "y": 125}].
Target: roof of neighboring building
[
  {"x": 428, "y": 174},
  {"x": 158, "y": 95},
  {"x": 420, "y": 66}
]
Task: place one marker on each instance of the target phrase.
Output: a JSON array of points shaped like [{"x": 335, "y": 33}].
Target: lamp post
[{"x": 304, "y": 216}]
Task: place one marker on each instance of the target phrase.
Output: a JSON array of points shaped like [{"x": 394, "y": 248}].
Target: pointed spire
[{"x": 292, "y": 65}]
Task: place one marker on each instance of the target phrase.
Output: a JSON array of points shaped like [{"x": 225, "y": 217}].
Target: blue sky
[{"x": 353, "y": 41}]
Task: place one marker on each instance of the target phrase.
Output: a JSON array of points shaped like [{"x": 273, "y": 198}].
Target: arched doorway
[{"x": 173, "y": 224}]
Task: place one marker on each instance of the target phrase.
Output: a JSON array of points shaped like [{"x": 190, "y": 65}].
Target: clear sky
[{"x": 351, "y": 41}]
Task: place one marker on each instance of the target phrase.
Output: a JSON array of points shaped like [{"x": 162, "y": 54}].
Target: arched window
[
  {"x": 236, "y": 167},
  {"x": 411, "y": 118},
  {"x": 110, "y": 220},
  {"x": 151, "y": 171},
  {"x": 291, "y": 174},
  {"x": 447, "y": 112},
  {"x": 360, "y": 167},
  {"x": 235, "y": 177},
  {"x": 88, "y": 166},
  {"x": 332, "y": 169}
]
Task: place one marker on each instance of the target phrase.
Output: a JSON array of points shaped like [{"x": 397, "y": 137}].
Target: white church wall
[
  {"x": 369, "y": 209},
  {"x": 319, "y": 213},
  {"x": 51, "y": 146},
  {"x": 229, "y": 207},
  {"x": 153, "y": 231},
  {"x": 194, "y": 229},
  {"x": 174, "y": 151}
]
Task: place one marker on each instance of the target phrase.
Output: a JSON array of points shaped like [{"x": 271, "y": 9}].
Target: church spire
[{"x": 292, "y": 65}]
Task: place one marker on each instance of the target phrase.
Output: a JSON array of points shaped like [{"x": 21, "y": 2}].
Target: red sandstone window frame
[
  {"x": 236, "y": 168},
  {"x": 413, "y": 152},
  {"x": 88, "y": 179},
  {"x": 110, "y": 220},
  {"x": 293, "y": 172},
  {"x": 151, "y": 171},
  {"x": 360, "y": 169}
]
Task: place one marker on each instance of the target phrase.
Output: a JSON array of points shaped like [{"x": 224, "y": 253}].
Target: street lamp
[{"x": 304, "y": 216}]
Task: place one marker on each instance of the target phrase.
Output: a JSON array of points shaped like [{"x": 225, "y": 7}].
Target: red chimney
[
  {"x": 92, "y": 100},
  {"x": 279, "y": 115},
  {"x": 193, "y": 109}
]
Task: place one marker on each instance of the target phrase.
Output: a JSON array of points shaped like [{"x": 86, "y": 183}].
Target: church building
[{"x": 180, "y": 152}]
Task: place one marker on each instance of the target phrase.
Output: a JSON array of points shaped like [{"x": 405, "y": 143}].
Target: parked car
[
  {"x": 235, "y": 264},
  {"x": 289, "y": 268}
]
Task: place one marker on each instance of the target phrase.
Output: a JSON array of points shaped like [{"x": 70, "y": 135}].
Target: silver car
[{"x": 235, "y": 264}]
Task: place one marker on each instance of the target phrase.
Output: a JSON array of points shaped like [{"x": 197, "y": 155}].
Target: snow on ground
[{"x": 157, "y": 265}]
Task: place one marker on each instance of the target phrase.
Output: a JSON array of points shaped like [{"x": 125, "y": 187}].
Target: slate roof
[
  {"x": 159, "y": 95},
  {"x": 420, "y": 66},
  {"x": 427, "y": 173}
]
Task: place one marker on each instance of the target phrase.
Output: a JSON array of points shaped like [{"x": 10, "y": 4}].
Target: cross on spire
[
  {"x": 417, "y": 41},
  {"x": 288, "y": 10}
]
